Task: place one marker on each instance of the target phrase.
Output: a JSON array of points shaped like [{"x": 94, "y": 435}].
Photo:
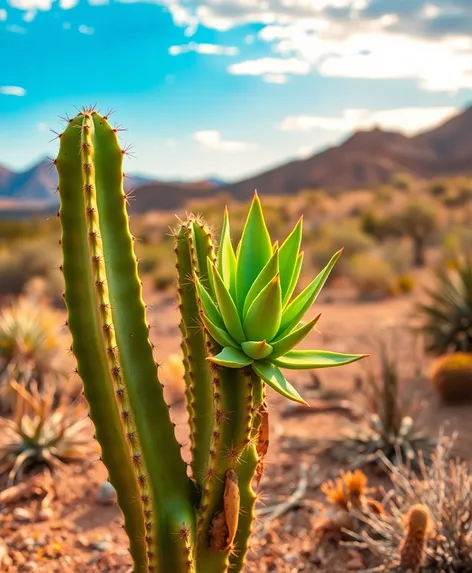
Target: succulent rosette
[{"x": 250, "y": 310}]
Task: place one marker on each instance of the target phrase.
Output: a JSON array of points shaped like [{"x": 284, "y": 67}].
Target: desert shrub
[
  {"x": 27, "y": 260},
  {"x": 451, "y": 377},
  {"x": 418, "y": 221},
  {"x": 405, "y": 283},
  {"x": 391, "y": 423},
  {"x": 43, "y": 433},
  {"x": 402, "y": 181},
  {"x": 330, "y": 238},
  {"x": 164, "y": 281},
  {"x": 458, "y": 195},
  {"x": 29, "y": 347},
  {"x": 438, "y": 188},
  {"x": 152, "y": 257},
  {"x": 446, "y": 318},
  {"x": 372, "y": 276},
  {"x": 454, "y": 242},
  {"x": 383, "y": 194},
  {"x": 371, "y": 223},
  {"x": 398, "y": 254},
  {"x": 444, "y": 491}
]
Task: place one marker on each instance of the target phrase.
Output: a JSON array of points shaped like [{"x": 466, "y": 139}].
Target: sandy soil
[{"x": 77, "y": 534}]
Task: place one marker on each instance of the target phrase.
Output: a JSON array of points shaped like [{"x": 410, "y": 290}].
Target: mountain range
[{"x": 366, "y": 158}]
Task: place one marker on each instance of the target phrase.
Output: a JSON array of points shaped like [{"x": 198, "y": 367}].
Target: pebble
[
  {"x": 45, "y": 514},
  {"x": 5, "y": 558},
  {"x": 106, "y": 494},
  {"x": 22, "y": 514},
  {"x": 29, "y": 566},
  {"x": 103, "y": 545}
]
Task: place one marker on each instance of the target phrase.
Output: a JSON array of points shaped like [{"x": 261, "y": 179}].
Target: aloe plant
[{"x": 240, "y": 323}]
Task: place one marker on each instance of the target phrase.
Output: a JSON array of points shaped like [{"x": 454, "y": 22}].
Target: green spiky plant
[
  {"x": 239, "y": 326},
  {"x": 447, "y": 316}
]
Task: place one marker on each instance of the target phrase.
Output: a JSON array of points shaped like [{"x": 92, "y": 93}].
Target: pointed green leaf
[
  {"x": 257, "y": 350},
  {"x": 254, "y": 252},
  {"x": 208, "y": 306},
  {"x": 298, "y": 307},
  {"x": 211, "y": 280},
  {"x": 227, "y": 308},
  {"x": 293, "y": 338},
  {"x": 226, "y": 257},
  {"x": 265, "y": 276},
  {"x": 288, "y": 256},
  {"x": 263, "y": 318},
  {"x": 218, "y": 334},
  {"x": 294, "y": 280},
  {"x": 308, "y": 359},
  {"x": 276, "y": 380},
  {"x": 231, "y": 358}
]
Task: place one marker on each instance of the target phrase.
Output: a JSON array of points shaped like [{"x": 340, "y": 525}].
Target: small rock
[
  {"x": 106, "y": 494},
  {"x": 82, "y": 540},
  {"x": 45, "y": 514},
  {"x": 290, "y": 558},
  {"x": 5, "y": 558},
  {"x": 28, "y": 543},
  {"x": 102, "y": 545},
  {"x": 29, "y": 566},
  {"x": 22, "y": 514}
]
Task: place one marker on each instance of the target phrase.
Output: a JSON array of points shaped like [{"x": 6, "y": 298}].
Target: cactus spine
[{"x": 239, "y": 325}]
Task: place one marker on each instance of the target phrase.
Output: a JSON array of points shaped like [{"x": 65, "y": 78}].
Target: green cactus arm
[
  {"x": 167, "y": 473},
  {"x": 88, "y": 344},
  {"x": 192, "y": 240},
  {"x": 230, "y": 438},
  {"x": 246, "y": 473}
]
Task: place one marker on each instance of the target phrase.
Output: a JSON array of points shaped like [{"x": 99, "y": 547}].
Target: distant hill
[
  {"x": 35, "y": 189},
  {"x": 39, "y": 184},
  {"x": 369, "y": 158},
  {"x": 366, "y": 158}
]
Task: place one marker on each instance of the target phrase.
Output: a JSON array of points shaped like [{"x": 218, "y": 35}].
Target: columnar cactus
[{"x": 239, "y": 325}]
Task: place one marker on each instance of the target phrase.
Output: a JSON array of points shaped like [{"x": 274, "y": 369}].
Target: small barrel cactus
[
  {"x": 451, "y": 376},
  {"x": 239, "y": 325},
  {"x": 413, "y": 546}
]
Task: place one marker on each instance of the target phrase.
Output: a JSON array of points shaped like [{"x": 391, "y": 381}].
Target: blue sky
[{"x": 229, "y": 87}]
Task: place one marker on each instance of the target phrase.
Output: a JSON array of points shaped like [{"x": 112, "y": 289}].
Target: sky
[{"x": 227, "y": 88}]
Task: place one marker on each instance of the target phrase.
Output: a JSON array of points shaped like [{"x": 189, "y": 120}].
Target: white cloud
[
  {"x": 212, "y": 139},
  {"x": 12, "y": 90},
  {"x": 66, "y": 25},
  {"x": 270, "y": 66},
  {"x": 68, "y": 4},
  {"x": 3, "y": 15},
  {"x": 87, "y": 30},
  {"x": 16, "y": 29},
  {"x": 209, "y": 49},
  {"x": 171, "y": 142},
  {"x": 31, "y": 4},
  {"x": 275, "y": 78},
  {"x": 29, "y": 16},
  {"x": 42, "y": 127},
  {"x": 375, "y": 53},
  {"x": 305, "y": 151},
  {"x": 409, "y": 120}
]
